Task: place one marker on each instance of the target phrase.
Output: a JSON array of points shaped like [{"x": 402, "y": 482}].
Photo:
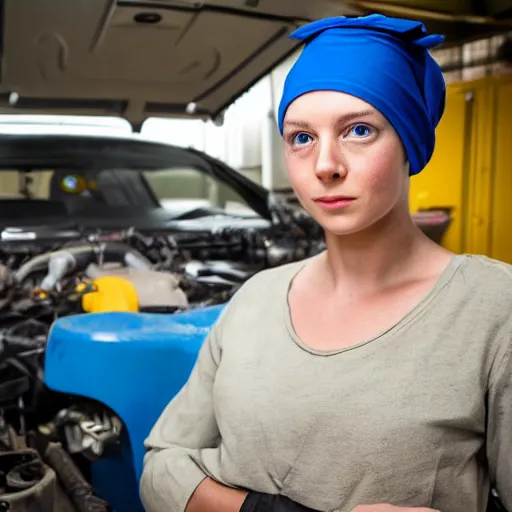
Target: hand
[
  {"x": 260, "y": 501},
  {"x": 210, "y": 496},
  {"x": 390, "y": 508}
]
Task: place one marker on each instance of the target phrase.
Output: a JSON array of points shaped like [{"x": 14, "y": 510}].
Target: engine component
[
  {"x": 82, "y": 256},
  {"x": 29, "y": 485},
  {"x": 109, "y": 293},
  {"x": 88, "y": 433},
  {"x": 224, "y": 272},
  {"x": 75, "y": 485},
  {"x": 154, "y": 289},
  {"x": 59, "y": 265}
]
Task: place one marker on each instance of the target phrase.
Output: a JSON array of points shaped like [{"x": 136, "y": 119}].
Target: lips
[
  {"x": 332, "y": 202},
  {"x": 333, "y": 199}
]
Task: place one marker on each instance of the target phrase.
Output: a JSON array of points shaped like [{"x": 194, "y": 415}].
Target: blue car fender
[{"x": 134, "y": 363}]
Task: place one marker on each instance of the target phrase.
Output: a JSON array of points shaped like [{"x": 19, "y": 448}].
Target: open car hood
[
  {"x": 142, "y": 59},
  {"x": 176, "y": 58}
]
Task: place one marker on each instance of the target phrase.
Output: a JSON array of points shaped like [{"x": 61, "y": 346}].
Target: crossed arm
[{"x": 174, "y": 480}]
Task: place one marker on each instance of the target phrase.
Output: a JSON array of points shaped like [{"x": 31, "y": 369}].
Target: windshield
[
  {"x": 63, "y": 192},
  {"x": 187, "y": 188}
]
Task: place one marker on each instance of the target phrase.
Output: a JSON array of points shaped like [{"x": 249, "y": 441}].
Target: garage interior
[
  {"x": 55, "y": 61},
  {"x": 100, "y": 309}
]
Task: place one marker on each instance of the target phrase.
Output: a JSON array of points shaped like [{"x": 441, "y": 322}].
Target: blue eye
[
  {"x": 361, "y": 130},
  {"x": 301, "y": 138}
]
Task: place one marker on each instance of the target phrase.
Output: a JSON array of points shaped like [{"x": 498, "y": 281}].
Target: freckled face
[{"x": 345, "y": 161}]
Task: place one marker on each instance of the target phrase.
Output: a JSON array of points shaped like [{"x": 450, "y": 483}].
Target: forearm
[{"x": 211, "y": 496}]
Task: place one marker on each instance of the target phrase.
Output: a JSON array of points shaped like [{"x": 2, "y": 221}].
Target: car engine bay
[{"x": 48, "y": 273}]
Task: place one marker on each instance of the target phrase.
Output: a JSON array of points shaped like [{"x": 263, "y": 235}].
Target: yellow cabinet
[
  {"x": 471, "y": 170},
  {"x": 501, "y": 197},
  {"x": 441, "y": 183}
]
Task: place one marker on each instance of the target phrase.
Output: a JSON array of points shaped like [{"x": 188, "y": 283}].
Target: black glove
[
  {"x": 261, "y": 502},
  {"x": 494, "y": 504}
]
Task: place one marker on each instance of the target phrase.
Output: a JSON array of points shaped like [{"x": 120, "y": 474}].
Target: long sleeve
[
  {"x": 499, "y": 434},
  {"x": 186, "y": 427}
]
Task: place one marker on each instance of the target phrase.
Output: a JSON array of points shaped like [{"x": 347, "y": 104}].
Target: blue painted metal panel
[{"x": 134, "y": 363}]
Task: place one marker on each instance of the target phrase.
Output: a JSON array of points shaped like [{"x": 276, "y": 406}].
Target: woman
[{"x": 375, "y": 376}]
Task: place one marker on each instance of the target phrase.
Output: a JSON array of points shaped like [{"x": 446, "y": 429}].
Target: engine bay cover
[{"x": 154, "y": 289}]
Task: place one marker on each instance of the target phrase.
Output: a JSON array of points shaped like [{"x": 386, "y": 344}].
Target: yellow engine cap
[{"x": 112, "y": 293}]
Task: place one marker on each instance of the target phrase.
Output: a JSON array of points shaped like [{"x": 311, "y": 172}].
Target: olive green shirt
[{"x": 420, "y": 415}]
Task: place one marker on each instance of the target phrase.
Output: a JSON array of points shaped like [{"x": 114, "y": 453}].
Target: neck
[{"x": 370, "y": 260}]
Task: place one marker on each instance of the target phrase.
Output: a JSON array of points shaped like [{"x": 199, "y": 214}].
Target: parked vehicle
[{"x": 145, "y": 240}]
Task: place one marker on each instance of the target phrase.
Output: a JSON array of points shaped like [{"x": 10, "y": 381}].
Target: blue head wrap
[{"x": 383, "y": 61}]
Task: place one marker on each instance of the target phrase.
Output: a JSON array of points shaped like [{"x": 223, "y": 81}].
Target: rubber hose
[
  {"x": 84, "y": 255},
  {"x": 74, "y": 483}
]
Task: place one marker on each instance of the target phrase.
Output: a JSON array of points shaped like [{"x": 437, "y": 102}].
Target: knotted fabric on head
[{"x": 383, "y": 61}]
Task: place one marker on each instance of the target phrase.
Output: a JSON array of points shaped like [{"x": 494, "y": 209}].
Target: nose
[{"x": 330, "y": 164}]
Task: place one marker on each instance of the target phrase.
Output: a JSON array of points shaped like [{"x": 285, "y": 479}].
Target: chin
[
  {"x": 341, "y": 228},
  {"x": 347, "y": 223},
  {"x": 346, "y": 226}
]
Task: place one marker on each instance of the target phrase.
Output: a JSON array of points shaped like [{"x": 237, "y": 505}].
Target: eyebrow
[{"x": 343, "y": 119}]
